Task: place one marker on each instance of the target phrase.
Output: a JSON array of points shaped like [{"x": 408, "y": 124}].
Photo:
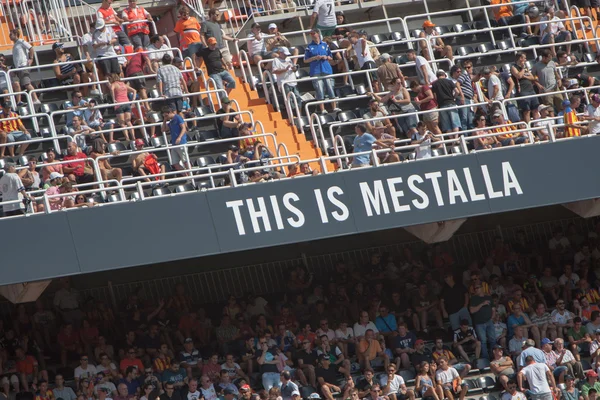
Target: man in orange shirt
[
  {"x": 369, "y": 349},
  {"x": 503, "y": 14},
  {"x": 507, "y": 138},
  {"x": 188, "y": 29},
  {"x": 28, "y": 370},
  {"x": 131, "y": 361},
  {"x": 12, "y": 130}
]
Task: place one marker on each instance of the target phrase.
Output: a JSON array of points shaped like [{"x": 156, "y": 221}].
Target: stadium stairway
[
  {"x": 575, "y": 26},
  {"x": 273, "y": 121}
]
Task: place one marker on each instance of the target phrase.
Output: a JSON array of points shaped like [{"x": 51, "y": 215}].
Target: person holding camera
[{"x": 12, "y": 188}]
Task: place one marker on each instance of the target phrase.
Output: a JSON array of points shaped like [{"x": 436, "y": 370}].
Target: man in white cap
[
  {"x": 295, "y": 395},
  {"x": 540, "y": 116},
  {"x": 103, "y": 40},
  {"x": 285, "y": 71},
  {"x": 387, "y": 71},
  {"x": 279, "y": 41}
]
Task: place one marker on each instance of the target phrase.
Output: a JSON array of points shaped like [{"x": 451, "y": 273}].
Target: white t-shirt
[
  {"x": 447, "y": 376},
  {"x": 210, "y": 393},
  {"x": 563, "y": 241},
  {"x": 258, "y": 307},
  {"x": 256, "y": 46},
  {"x": 359, "y": 52},
  {"x": 495, "y": 81},
  {"x": 325, "y": 10},
  {"x": 20, "y": 53},
  {"x": 571, "y": 280},
  {"x": 359, "y": 330},
  {"x": 108, "y": 385},
  {"x": 546, "y": 127},
  {"x": 104, "y": 37},
  {"x": 158, "y": 55},
  {"x": 10, "y": 184},
  {"x": 424, "y": 149},
  {"x": 592, "y": 111},
  {"x": 518, "y": 396},
  {"x": 594, "y": 347},
  {"x": 86, "y": 41},
  {"x": 420, "y": 61},
  {"x": 554, "y": 26},
  {"x": 289, "y": 76},
  {"x": 193, "y": 396},
  {"x": 536, "y": 377},
  {"x": 562, "y": 319},
  {"x": 89, "y": 372},
  {"x": 347, "y": 334},
  {"x": 229, "y": 369},
  {"x": 395, "y": 385}
]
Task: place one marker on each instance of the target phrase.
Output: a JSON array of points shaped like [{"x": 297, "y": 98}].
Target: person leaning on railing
[{"x": 138, "y": 31}]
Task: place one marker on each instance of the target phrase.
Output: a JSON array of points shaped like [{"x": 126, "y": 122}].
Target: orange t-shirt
[
  {"x": 136, "y": 362},
  {"x": 503, "y": 11},
  {"x": 26, "y": 366},
  {"x": 375, "y": 348},
  {"x": 189, "y": 29}
]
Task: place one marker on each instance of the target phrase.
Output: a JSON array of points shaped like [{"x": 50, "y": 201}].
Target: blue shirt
[
  {"x": 175, "y": 128},
  {"x": 512, "y": 321},
  {"x": 173, "y": 377},
  {"x": 519, "y": 9},
  {"x": 362, "y": 143},
  {"x": 387, "y": 324},
  {"x": 77, "y": 112},
  {"x": 318, "y": 67},
  {"x": 537, "y": 354},
  {"x": 131, "y": 386}
]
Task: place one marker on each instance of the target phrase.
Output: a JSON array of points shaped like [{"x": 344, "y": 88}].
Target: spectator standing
[
  {"x": 540, "y": 379},
  {"x": 189, "y": 29},
  {"x": 216, "y": 66},
  {"x": 23, "y": 55},
  {"x": 424, "y": 71},
  {"x": 525, "y": 85},
  {"x": 285, "y": 71},
  {"x": 120, "y": 94},
  {"x": 465, "y": 82},
  {"x": 176, "y": 127},
  {"x": 135, "y": 68},
  {"x": 136, "y": 24},
  {"x": 482, "y": 312},
  {"x": 103, "y": 41},
  {"x": 212, "y": 28},
  {"x": 11, "y": 188},
  {"x": 171, "y": 84},
  {"x": 387, "y": 71},
  {"x": 548, "y": 76},
  {"x": 318, "y": 55},
  {"x": 363, "y": 142},
  {"x": 592, "y": 115},
  {"x": 110, "y": 17},
  {"x": 529, "y": 350},
  {"x": 426, "y": 102},
  {"x": 362, "y": 52},
  {"x": 445, "y": 91},
  {"x": 454, "y": 301},
  {"x": 323, "y": 17}
]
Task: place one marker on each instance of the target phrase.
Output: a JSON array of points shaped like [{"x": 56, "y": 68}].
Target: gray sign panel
[{"x": 296, "y": 210}]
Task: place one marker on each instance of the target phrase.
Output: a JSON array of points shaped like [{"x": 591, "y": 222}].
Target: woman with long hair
[
  {"x": 120, "y": 94},
  {"x": 424, "y": 383}
]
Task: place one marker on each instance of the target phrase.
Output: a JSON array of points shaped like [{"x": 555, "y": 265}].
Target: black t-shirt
[
  {"x": 460, "y": 335},
  {"x": 219, "y": 121},
  {"x": 485, "y": 313},
  {"x": 307, "y": 358},
  {"x": 524, "y": 86},
  {"x": 418, "y": 358},
  {"x": 364, "y": 384},
  {"x": 152, "y": 342},
  {"x": 267, "y": 367},
  {"x": 454, "y": 297},
  {"x": 329, "y": 375},
  {"x": 212, "y": 59},
  {"x": 443, "y": 88}
]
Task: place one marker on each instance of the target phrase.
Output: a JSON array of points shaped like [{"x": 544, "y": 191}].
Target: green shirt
[
  {"x": 586, "y": 388},
  {"x": 577, "y": 335}
]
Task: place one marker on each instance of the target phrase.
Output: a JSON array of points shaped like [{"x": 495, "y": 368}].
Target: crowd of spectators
[{"x": 529, "y": 311}]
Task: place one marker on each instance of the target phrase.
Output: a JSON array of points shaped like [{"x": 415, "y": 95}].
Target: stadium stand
[{"x": 98, "y": 109}]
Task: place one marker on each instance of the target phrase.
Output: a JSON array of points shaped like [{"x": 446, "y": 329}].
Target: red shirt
[
  {"x": 27, "y": 366},
  {"x": 68, "y": 340},
  {"x": 136, "y": 362},
  {"x": 135, "y": 64},
  {"x": 79, "y": 166}
]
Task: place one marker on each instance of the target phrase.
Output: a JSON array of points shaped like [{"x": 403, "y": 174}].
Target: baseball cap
[
  {"x": 529, "y": 343},
  {"x": 177, "y": 60},
  {"x": 498, "y": 113},
  {"x": 284, "y": 50},
  {"x": 591, "y": 373},
  {"x": 55, "y": 175},
  {"x": 225, "y": 100},
  {"x": 139, "y": 143},
  {"x": 596, "y": 98},
  {"x": 569, "y": 378},
  {"x": 597, "y": 331},
  {"x": 57, "y": 45},
  {"x": 314, "y": 396},
  {"x": 6, "y": 104},
  {"x": 440, "y": 73},
  {"x": 245, "y": 387},
  {"x": 188, "y": 340},
  {"x": 228, "y": 391},
  {"x": 566, "y": 103},
  {"x": 546, "y": 341},
  {"x": 99, "y": 23},
  {"x": 272, "y": 26},
  {"x": 540, "y": 108},
  {"x": 211, "y": 40},
  {"x": 323, "y": 357},
  {"x": 419, "y": 341},
  {"x": 428, "y": 24},
  {"x": 295, "y": 393},
  {"x": 496, "y": 347},
  {"x": 385, "y": 56}
]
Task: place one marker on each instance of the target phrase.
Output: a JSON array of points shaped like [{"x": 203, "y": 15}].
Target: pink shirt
[{"x": 54, "y": 190}]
